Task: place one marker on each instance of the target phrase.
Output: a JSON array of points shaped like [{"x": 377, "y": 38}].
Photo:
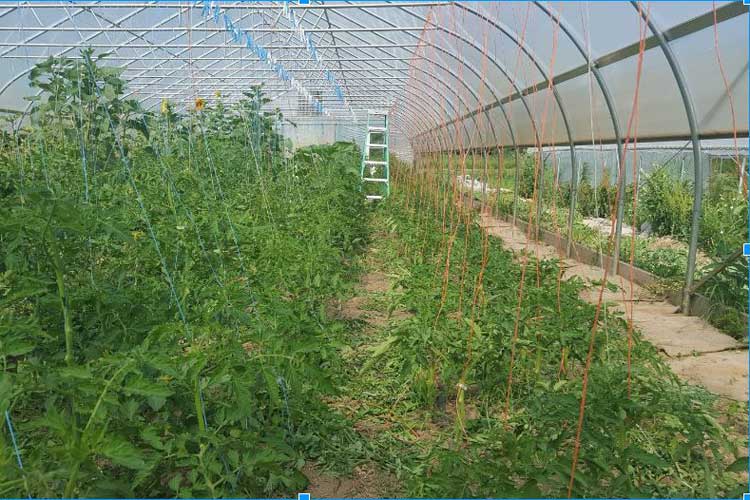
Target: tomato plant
[{"x": 162, "y": 289}]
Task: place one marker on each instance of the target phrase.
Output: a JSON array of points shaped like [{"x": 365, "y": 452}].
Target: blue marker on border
[
  {"x": 746, "y": 253},
  {"x": 306, "y": 496}
]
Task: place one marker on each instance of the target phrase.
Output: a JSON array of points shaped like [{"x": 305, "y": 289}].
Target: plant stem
[
  {"x": 101, "y": 397},
  {"x": 64, "y": 306},
  {"x": 198, "y": 405},
  {"x": 71, "y": 481},
  {"x": 74, "y": 473}
]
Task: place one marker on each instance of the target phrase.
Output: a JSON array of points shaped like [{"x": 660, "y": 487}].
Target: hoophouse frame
[{"x": 456, "y": 77}]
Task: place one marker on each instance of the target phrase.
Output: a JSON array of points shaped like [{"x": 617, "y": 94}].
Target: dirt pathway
[
  {"x": 367, "y": 481},
  {"x": 368, "y": 305},
  {"x": 696, "y": 351}
]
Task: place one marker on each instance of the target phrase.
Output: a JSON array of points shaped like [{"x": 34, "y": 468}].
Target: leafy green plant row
[
  {"x": 661, "y": 438},
  {"x": 163, "y": 280},
  {"x": 665, "y": 202}
]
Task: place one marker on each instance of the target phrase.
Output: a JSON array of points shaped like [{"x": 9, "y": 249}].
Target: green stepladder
[{"x": 375, "y": 169}]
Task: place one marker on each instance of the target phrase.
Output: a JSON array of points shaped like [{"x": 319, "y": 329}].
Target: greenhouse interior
[{"x": 373, "y": 249}]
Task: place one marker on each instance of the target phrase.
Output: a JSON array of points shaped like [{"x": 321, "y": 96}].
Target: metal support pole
[
  {"x": 593, "y": 67},
  {"x": 620, "y": 213},
  {"x": 695, "y": 138},
  {"x": 539, "y": 196},
  {"x": 572, "y": 206},
  {"x": 515, "y": 187}
]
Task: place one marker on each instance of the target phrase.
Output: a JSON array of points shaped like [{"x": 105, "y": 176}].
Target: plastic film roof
[{"x": 453, "y": 75}]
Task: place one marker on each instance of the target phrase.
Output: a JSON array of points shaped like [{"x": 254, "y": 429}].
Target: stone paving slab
[
  {"x": 689, "y": 342},
  {"x": 723, "y": 373}
]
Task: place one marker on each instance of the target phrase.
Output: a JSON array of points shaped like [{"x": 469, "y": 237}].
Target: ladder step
[
  {"x": 373, "y": 162},
  {"x": 375, "y": 145},
  {"x": 374, "y": 179},
  {"x": 376, "y": 129},
  {"x": 374, "y": 197}
]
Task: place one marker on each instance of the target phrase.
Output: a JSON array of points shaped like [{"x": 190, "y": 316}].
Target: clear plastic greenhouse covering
[{"x": 453, "y": 75}]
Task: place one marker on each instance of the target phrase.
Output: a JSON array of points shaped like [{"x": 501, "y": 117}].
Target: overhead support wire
[
  {"x": 232, "y": 5},
  {"x": 458, "y": 60},
  {"x": 497, "y": 65},
  {"x": 687, "y": 102},
  {"x": 306, "y": 38},
  {"x": 190, "y": 61},
  {"x": 238, "y": 35},
  {"x": 544, "y": 70},
  {"x": 342, "y": 40}
]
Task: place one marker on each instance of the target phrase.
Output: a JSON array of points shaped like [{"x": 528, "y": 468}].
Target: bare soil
[
  {"x": 374, "y": 282},
  {"x": 366, "y": 481},
  {"x": 604, "y": 226}
]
